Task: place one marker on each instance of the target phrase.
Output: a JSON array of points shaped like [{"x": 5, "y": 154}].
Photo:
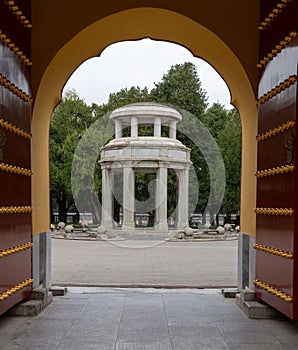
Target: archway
[{"x": 138, "y": 23}]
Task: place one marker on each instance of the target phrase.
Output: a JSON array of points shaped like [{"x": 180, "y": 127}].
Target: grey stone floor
[
  {"x": 144, "y": 319},
  {"x": 190, "y": 264}
]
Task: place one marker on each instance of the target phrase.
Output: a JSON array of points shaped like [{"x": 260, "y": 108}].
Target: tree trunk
[
  {"x": 62, "y": 209},
  {"x": 217, "y": 220},
  {"x": 228, "y": 218}
]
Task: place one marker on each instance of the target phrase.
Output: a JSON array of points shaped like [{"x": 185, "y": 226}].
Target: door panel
[
  {"x": 276, "y": 240},
  {"x": 15, "y": 174}
]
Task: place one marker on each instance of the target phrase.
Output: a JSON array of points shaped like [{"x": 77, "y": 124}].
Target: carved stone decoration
[
  {"x": 2, "y": 143},
  {"x": 289, "y": 144}
]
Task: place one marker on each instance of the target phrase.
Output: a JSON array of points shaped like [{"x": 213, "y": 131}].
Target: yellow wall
[
  {"x": 75, "y": 43},
  {"x": 56, "y": 22}
]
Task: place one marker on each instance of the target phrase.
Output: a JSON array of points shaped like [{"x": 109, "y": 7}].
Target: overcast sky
[{"x": 140, "y": 63}]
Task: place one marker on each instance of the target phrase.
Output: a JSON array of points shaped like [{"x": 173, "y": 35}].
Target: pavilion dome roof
[{"x": 146, "y": 113}]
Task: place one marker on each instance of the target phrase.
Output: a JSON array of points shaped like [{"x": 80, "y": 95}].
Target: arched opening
[
  {"x": 138, "y": 23},
  {"x": 101, "y": 76}
]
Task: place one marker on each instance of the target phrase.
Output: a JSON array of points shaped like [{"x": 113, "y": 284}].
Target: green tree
[
  {"x": 87, "y": 181},
  {"x": 181, "y": 87},
  {"x": 69, "y": 120},
  {"x": 230, "y": 143},
  {"x": 126, "y": 96},
  {"x": 86, "y": 172},
  {"x": 215, "y": 119},
  {"x": 225, "y": 127}
]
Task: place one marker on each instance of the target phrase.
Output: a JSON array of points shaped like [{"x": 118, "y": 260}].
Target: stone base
[
  {"x": 40, "y": 298},
  {"x": 26, "y": 308},
  {"x": 58, "y": 291},
  {"x": 230, "y": 292},
  {"x": 246, "y": 261},
  {"x": 42, "y": 294},
  {"x": 137, "y": 234},
  {"x": 247, "y": 302}
]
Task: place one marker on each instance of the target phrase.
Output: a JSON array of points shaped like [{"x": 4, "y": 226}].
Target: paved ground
[
  {"x": 190, "y": 264},
  {"x": 128, "y": 319},
  {"x": 144, "y": 318}
]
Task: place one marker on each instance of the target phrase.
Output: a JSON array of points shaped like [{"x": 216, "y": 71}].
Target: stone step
[
  {"x": 255, "y": 309},
  {"x": 27, "y": 308},
  {"x": 40, "y": 298}
]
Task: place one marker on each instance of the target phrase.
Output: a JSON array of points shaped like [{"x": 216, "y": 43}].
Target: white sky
[{"x": 140, "y": 63}]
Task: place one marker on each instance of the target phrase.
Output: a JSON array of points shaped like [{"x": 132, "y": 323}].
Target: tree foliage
[
  {"x": 230, "y": 143},
  {"x": 225, "y": 127},
  {"x": 69, "y": 120},
  {"x": 181, "y": 87},
  {"x": 86, "y": 172},
  {"x": 127, "y": 96}
]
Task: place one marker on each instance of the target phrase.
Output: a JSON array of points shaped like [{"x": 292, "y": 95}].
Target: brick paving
[
  {"x": 115, "y": 318},
  {"x": 131, "y": 319},
  {"x": 209, "y": 264}
]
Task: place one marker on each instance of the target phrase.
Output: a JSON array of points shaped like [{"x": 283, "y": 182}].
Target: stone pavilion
[{"x": 154, "y": 154}]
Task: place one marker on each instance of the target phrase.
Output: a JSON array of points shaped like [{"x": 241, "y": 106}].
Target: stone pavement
[
  {"x": 209, "y": 264},
  {"x": 144, "y": 319}
]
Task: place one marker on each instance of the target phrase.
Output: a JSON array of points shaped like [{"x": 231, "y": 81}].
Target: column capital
[
  {"x": 105, "y": 166},
  {"x": 127, "y": 164},
  {"x": 162, "y": 164}
]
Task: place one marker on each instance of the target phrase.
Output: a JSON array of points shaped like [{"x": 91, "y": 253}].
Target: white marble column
[
  {"x": 157, "y": 126},
  {"x": 128, "y": 198},
  {"x": 161, "y": 199},
  {"x": 172, "y": 129},
  {"x": 107, "y": 199},
  {"x": 134, "y": 127},
  {"x": 118, "y": 128},
  {"x": 182, "y": 205}
]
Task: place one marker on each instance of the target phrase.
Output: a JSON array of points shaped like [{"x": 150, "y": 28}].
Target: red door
[
  {"x": 277, "y": 242},
  {"x": 15, "y": 174}
]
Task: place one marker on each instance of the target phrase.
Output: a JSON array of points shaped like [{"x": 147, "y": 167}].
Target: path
[{"x": 172, "y": 264}]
